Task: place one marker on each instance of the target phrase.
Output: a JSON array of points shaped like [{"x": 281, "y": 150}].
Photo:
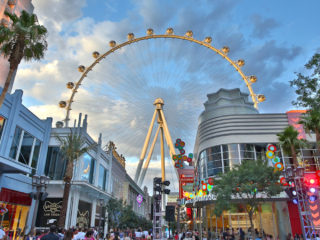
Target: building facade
[
  {"x": 91, "y": 183},
  {"x": 124, "y": 188},
  {"x": 230, "y": 131},
  {"x": 23, "y": 150},
  {"x": 11, "y": 6}
]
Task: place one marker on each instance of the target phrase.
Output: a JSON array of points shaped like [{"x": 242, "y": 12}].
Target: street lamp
[{"x": 40, "y": 184}]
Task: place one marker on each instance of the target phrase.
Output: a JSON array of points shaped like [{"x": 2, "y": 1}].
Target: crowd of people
[
  {"x": 79, "y": 234},
  {"x": 233, "y": 234},
  {"x": 139, "y": 234}
]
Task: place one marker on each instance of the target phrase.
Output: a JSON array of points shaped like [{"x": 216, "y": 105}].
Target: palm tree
[
  {"x": 290, "y": 143},
  {"x": 311, "y": 123},
  {"x": 24, "y": 39},
  {"x": 71, "y": 147}
]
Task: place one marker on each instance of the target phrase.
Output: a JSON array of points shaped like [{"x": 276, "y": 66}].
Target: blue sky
[{"x": 275, "y": 38}]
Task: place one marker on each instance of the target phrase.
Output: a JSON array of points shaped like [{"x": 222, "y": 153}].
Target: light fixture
[
  {"x": 35, "y": 180},
  {"x": 289, "y": 173},
  {"x": 300, "y": 172}
]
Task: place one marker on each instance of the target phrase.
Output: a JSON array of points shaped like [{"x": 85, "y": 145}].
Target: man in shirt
[
  {"x": 80, "y": 235},
  {"x": 52, "y": 234}
]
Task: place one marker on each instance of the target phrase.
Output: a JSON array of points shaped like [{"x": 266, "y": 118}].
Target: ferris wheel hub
[{"x": 158, "y": 103}]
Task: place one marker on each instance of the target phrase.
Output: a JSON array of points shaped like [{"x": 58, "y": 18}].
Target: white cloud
[{"x": 118, "y": 94}]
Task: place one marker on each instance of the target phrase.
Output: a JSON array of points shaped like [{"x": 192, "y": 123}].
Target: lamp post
[
  {"x": 40, "y": 184},
  {"x": 101, "y": 202}
]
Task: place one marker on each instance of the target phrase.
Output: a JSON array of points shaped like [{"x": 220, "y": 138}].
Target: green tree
[
  {"x": 249, "y": 183},
  {"x": 288, "y": 139},
  {"x": 114, "y": 209},
  {"x": 23, "y": 39},
  {"x": 71, "y": 147},
  {"x": 307, "y": 86},
  {"x": 311, "y": 123},
  {"x": 128, "y": 218}
]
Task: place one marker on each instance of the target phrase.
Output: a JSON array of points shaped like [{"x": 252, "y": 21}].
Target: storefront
[
  {"x": 48, "y": 212},
  {"x": 271, "y": 217},
  {"x": 15, "y": 208}
]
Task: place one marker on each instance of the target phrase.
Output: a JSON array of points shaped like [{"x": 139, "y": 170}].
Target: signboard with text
[{"x": 48, "y": 212}]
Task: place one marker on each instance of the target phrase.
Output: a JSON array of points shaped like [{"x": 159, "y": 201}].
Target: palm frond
[{"x": 74, "y": 145}]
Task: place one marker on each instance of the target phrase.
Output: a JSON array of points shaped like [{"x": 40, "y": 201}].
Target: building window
[
  {"x": 15, "y": 143},
  {"x": 35, "y": 157},
  {"x": 106, "y": 179},
  {"x": 102, "y": 177},
  {"x": 55, "y": 164},
  {"x": 25, "y": 148},
  {"x": 87, "y": 168}
]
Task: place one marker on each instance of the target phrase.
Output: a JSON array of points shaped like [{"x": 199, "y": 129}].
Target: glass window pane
[
  {"x": 101, "y": 177},
  {"x": 107, "y": 179},
  {"x": 26, "y": 148},
  {"x": 85, "y": 167},
  {"x": 92, "y": 171},
  {"x": 55, "y": 164},
  {"x": 35, "y": 156},
  {"x": 15, "y": 143},
  {"x": 104, "y": 179}
]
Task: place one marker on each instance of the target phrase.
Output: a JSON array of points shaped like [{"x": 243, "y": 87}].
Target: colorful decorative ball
[
  {"x": 178, "y": 140},
  {"x": 190, "y": 155},
  {"x": 189, "y": 160},
  {"x": 270, "y": 154},
  {"x": 176, "y": 145},
  {"x": 182, "y": 151},
  {"x": 204, "y": 187},
  {"x": 184, "y": 158},
  {"x": 278, "y": 166},
  {"x": 283, "y": 181},
  {"x": 182, "y": 144},
  {"x": 179, "y": 156},
  {"x": 275, "y": 160},
  {"x": 209, "y": 187},
  {"x": 210, "y": 181},
  {"x": 174, "y": 157},
  {"x": 272, "y": 148}
]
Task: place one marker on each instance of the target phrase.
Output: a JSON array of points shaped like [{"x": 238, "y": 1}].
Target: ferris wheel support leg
[
  {"x": 145, "y": 146},
  {"x": 146, "y": 164},
  {"x": 163, "y": 164},
  {"x": 167, "y": 134}
]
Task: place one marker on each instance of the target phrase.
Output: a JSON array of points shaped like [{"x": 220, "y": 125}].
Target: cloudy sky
[{"x": 275, "y": 38}]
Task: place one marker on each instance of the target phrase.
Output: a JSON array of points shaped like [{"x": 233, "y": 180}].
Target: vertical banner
[{"x": 293, "y": 119}]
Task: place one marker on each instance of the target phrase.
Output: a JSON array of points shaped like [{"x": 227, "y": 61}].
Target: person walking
[{"x": 52, "y": 234}]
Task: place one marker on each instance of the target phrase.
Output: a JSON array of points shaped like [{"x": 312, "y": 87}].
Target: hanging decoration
[
  {"x": 3, "y": 209},
  {"x": 139, "y": 199},
  {"x": 276, "y": 162},
  {"x": 180, "y": 158}
]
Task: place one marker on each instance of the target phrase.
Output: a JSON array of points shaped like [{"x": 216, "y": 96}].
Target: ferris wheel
[{"x": 249, "y": 80}]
